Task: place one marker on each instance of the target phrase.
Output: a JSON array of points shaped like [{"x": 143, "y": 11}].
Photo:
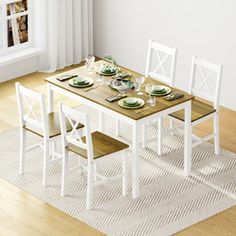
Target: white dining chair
[
  {"x": 163, "y": 70},
  {"x": 205, "y": 83},
  {"x": 93, "y": 148},
  {"x": 34, "y": 118}
]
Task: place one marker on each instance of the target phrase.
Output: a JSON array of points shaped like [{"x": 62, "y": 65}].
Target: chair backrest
[
  {"x": 32, "y": 108},
  {"x": 163, "y": 69},
  {"x": 74, "y": 137},
  {"x": 205, "y": 80}
]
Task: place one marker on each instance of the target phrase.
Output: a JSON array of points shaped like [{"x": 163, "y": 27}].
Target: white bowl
[{"x": 131, "y": 101}]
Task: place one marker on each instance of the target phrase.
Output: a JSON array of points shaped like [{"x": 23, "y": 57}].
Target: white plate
[
  {"x": 111, "y": 73},
  {"x": 140, "y": 101},
  {"x": 168, "y": 90},
  {"x": 80, "y": 79},
  {"x": 90, "y": 80},
  {"x": 108, "y": 74}
]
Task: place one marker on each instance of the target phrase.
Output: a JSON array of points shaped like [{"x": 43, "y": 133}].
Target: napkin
[{"x": 115, "y": 98}]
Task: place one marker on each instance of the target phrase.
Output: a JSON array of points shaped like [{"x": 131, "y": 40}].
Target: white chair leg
[
  {"x": 159, "y": 136},
  {"x": 45, "y": 162},
  {"x": 52, "y": 150},
  {"x": 171, "y": 126},
  {"x": 22, "y": 150},
  {"x": 95, "y": 169},
  {"x": 124, "y": 174},
  {"x": 64, "y": 173},
  {"x": 216, "y": 133},
  {"x": 80, "y": 167},
  {"x": 90, "y": 186},
  {"x": 144, "y": 136},
  {"x": 117, "y": 127}
]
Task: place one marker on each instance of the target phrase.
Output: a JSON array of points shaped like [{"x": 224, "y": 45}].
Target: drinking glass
[
  {"x": 89, "y": 62},
  {"x": 149, "y": 88},
  {"x": 100, "y": 77},
  {"x": 152, "y": 101},
  {"x": 139, "y": 81}
]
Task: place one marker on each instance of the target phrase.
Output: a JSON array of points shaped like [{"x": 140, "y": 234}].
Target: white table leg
[
  {"x": 144, "y": 136},
  {"x": 50, "y": 98},
  {"x": 101, "y": 121},
  {"x": 135, "y": 152},
  {"x": 117, "y": 127},
  {"x": 187, "y": 139},
  {"x": 159, "y": 136},
  {"x": 216, "y": 133}
]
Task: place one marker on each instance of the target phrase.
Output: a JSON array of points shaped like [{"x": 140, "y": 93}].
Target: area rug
[{"x": 168, "y": 203}]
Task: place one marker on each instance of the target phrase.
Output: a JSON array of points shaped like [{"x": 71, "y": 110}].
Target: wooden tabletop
[{"x": 99, "y": 94}]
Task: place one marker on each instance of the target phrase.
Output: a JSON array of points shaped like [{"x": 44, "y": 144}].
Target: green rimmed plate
[
  {"x": 160, "y": 90},
  {"x": 131, "y": 103},
  {"x": 109, "y": 70},
  {"x": 82, "y": 82}
]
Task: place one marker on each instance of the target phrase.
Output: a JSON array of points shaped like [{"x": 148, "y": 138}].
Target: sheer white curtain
[{"x": 64, "y": 33}]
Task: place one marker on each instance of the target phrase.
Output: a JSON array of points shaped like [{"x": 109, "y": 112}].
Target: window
[{"x": 15, "y": 25}]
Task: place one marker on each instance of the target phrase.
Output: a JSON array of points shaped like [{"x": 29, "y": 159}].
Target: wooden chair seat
[
  {"x": 53, "y": 126},
  {"x": 199, "y": 110},
  {"x": 103, "y": 145}
]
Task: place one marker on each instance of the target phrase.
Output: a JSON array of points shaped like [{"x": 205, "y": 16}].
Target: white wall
[
  {"x": 202, "y": 27},
  {"x": 19, "y": 68}
]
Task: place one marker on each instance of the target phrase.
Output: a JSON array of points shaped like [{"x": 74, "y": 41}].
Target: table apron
[{"x": 110, "y": 112}]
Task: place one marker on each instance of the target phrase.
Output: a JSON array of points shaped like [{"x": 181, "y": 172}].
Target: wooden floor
[{"x": 23, "y": 215}]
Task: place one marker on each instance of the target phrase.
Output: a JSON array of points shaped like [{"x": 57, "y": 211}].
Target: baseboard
[{"x": 19, "y": 68}]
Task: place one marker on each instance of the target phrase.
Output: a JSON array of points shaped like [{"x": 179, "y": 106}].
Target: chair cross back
[
  {"x": 160, "y": 72},
  {"x": 27, "y": 100},
  {"x": 207, "y": 70},
  {"x": 74, "y": 137}
]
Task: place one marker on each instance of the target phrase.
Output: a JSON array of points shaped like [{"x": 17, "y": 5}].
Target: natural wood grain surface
[
  {"x": 100, "y": 93},
  {"x": 199, "y": 110},
  {"x": 102, "y": 145},
  {"x": 21, "y": 214},
  {"x": 53, "y": 126},
  {"x": 24, "y": 215}
]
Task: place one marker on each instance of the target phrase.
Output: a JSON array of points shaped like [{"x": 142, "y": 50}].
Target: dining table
[{"x": 96, "y": 98}]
